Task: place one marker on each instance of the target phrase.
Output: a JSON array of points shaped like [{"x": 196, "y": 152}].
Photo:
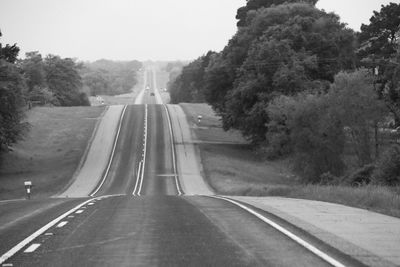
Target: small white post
[{"x": 28, "y": 186}]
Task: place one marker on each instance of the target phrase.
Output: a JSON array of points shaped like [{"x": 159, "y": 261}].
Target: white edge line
[
  {"x": 173, "y": 151},
  {"x": 144, "y": 152},
  {"x": 30, "y": 238},
  {"x": 112, "y": 154},
  {"x": 289, "y": 234}
]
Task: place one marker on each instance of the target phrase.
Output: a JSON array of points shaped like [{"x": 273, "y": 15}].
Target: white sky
[{"x": 138, "y": 29}]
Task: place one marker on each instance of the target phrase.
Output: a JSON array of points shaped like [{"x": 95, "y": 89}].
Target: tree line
[
  {"x": 107, "y": 77},
  {"x": 55, "y": 81},
  {"x": 295, "y": 80}
]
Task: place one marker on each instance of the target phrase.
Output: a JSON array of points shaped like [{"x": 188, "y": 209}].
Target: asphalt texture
[{"x": 153, "y": 227}]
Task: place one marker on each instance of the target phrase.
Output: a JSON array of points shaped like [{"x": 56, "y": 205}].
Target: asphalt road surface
[{"x": 147, "y": 222}]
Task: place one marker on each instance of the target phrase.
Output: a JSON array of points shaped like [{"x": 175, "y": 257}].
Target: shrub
[
  {"x": 361, "y": 176},
  {"x": 388, "y": 168}
]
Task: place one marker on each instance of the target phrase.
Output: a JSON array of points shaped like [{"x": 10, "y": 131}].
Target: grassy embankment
[
  {"x": 232, "y": 168},
  {"x": 50, "y": 152}
]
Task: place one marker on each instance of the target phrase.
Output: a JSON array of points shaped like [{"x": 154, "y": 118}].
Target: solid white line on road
[
  {"x": 32, "y": 248},
  {"x": 79, "y": 211},
  {"x": 62, "y": 224},
  {"x": 178, "y": 186},
  {"x": 32, "y": 237},
  {"x": 146, "y": 112},
  {"x": 286, "y": 232},
  {"x": 137, "y": 177},
  {"x": 112, "y": 154}
]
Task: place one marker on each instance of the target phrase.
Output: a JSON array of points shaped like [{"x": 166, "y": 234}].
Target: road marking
[
  {"x": 61, "y": 224},
  {"x": 48, "y": 234},
  {"x": 79, "y": 211},
  {"x": 7, "y": 265},
  {"x": 171, "y": 133},
  {"x": 32, "y": 248},
  {"x": 146, "y": 112},
  {"x": 137, "y": 177},
  {"x": 91, "y": 204},
  {"x": 286, "y": 232},
  {"x": 112, "y": 154},
  {"x": 42, "y": 230}
]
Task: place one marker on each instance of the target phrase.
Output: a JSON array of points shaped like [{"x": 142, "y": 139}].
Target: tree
[
  {"x": 110, "y": 77},
  {"x": 188, "y": 86},
  {"x": 305, "y": 125},
  {"x": 64, "y": 81},
  {"x": 33, "y": 69},
  {"x": 12, "y": 101},
  {"x": 354, "y": 99},
  {"x": 8, "y": 53},
  {"x": 379, "y": 51},
  {"x": 241, "y": 14},
  {"x": 298, "y": 48}
]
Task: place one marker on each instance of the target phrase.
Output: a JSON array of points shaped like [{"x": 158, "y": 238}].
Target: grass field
[
  {"x": 231, "y": 167},
  {"x": 50, "y": 152}
]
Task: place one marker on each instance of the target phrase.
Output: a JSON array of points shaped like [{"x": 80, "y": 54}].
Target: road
[{"x": 146, "y": 221}]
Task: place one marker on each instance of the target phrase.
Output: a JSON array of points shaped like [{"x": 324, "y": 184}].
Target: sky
[{"x": 138, "y": 29}]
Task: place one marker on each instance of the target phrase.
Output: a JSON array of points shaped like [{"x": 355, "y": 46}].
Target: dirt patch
[{"x": 50, "y": 152}]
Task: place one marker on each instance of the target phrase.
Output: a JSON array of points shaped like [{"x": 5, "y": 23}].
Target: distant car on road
[
  {"x": 152, "y": 94},
  {"x": 147, "y": 87}
]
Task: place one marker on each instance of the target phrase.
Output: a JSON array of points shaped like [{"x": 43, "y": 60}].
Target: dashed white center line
[
  {"x": 32, "y": 248},
  {"x": 90, "y": 204},
  {"x": 62, "y": 224},
  {"x": 7, "y": 265},
  {"x": 79, "y": 211}
]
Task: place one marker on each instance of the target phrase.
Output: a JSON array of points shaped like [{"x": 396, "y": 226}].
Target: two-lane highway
[{"x": 151, "y": 223}]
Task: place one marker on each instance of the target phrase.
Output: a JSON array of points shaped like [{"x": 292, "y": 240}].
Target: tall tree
[
  {"x": 298, "y": 48},
  {"x": 64, "y": 81},
  {"x": 380, "y": 46},
  {"x": 12, "y": 102}
]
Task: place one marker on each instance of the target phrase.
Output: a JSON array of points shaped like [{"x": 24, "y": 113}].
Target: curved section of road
[
  {"x": 189, "y": 166},
  {"x": 98, "y": 156}
]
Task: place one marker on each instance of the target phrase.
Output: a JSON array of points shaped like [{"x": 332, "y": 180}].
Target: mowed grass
[
  {"x": 231, "y": 167},
  {"x": 51, "y": 151}
]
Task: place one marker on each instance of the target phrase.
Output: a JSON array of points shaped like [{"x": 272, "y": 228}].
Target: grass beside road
[
  {"x": 51, "y": 151},
  {"x": 231, "y": 167}
]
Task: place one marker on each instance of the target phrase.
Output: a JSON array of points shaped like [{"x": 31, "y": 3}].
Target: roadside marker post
[{"x": 28, "y": 186}]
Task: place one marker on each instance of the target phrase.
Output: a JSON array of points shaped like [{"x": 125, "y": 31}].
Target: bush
[
  {"x": 388, "y": 168},
  {"x": 361, "y": 176}
]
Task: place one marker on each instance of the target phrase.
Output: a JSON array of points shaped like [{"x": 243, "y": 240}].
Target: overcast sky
[{"x": 138, "y": 29}]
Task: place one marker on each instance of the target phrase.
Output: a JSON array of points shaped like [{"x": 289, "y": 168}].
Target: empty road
[{"x": 147, "y": 220}]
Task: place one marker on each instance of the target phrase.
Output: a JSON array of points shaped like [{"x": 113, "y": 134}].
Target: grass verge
[
  {"x": 232, "y": 168},
  {"x": 51, "y": 151}
]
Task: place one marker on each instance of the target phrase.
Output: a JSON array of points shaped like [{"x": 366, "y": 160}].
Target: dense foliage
[
  {"x": 106, "y": 77},
  {"x": 12, "y": 101},
  {"x": 189, "y": 86},
  {"x": 295, "y": 80}
]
